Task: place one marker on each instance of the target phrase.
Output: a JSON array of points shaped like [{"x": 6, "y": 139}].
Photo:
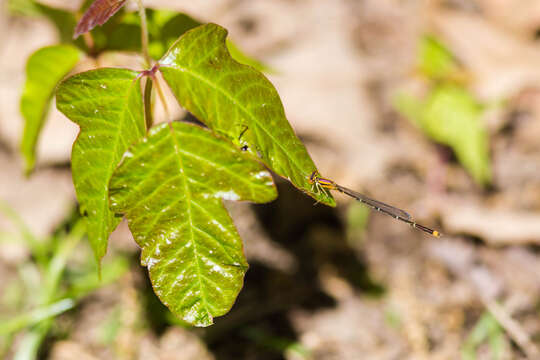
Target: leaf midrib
[{"x": 190, "y": 217}]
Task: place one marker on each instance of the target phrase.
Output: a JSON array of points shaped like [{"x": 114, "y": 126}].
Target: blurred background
[{"x": 431, "y": 106}]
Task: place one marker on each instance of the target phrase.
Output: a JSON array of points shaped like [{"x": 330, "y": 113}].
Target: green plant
[
  {"x": 449, "y": 114},
  {"x": 46, "y": 285},
  {"x": 168, "y": 180},
  {"x": 487, "y": 331}
]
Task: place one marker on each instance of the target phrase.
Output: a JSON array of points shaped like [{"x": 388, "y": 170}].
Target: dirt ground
[{"x": 321, "y": 284}]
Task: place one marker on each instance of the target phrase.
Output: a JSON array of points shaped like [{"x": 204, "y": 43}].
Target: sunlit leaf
[
  {"x": 44, "y": 69},
  {"x": 437, "y": 63},
  {"x": 451, "y": 116},
  {"x": 236, "y": 101},
  {"x": 107, "y": 105},
  {"x": 171, "y": 186},
  {"x": 97, "y": 14},
  {"x": 435, "y": 60}
]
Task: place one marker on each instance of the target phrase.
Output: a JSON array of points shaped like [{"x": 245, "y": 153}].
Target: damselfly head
[{"x": 313, "y": 177}]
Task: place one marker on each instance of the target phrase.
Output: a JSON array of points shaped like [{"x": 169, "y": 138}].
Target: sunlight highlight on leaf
[
  {"x": 107, "y": 105},
  {"x": 171, "y": 187}
]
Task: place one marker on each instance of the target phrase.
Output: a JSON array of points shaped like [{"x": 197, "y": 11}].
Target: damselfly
[{"x": 321, "y": 183}]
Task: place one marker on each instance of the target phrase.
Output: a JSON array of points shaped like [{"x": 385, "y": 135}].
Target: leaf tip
[
  {"x": 97, "y": 14},
  {"x": 204, "y": 322}
]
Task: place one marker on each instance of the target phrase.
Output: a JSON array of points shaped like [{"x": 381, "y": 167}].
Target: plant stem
[
  {"x": 148, "y": 103},
  {"x": 144, "y": 33},
  {"x": 162, "y": 98}
]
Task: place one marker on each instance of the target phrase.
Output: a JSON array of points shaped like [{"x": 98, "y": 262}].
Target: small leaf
[
  {"x": 451, "y": 116},
  {"x": 170, "y": 186},
  {"x": 237, "y": 101},
  {"x": 107, "y": 105},
  {"x": 44, "y": 69},
  {"x": 97, "y": 14},
  {"x": 436, "y": 61}
]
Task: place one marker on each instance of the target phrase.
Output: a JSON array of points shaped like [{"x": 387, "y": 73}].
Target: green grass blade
[{"x": 35, "y": 316}]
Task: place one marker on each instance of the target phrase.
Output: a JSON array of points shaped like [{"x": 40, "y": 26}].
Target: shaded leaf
[
  {"x": 63, "y": 20},
  {"x": 44, "y": 69},
  {"x": 451, "y": 116},
  {"x": 166, "y": 27},
  {"x": 97, "y": 14},
  {"x": 166, "y": 30},
  {"x": 117, "y": 36},
  {"x": 23, "y": 7},
  {"x": 170, "y": 186},
  {"x": 237, "y": 101},
  {"x": 107, "y": 105}
]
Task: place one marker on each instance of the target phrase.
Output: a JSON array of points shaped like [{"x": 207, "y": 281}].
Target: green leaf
[
  {"x": 64, "y": 21},
  {"x": 236, "y": 101},
  {"x": 436, "y": 61},
  {"x": 166, "y": 28},
  {"x": 44, "y": 69},
  {"x": 107, "y": 105},
  {"x": 451, "y": 116},
  {"x": 22, "y": 8},
  {"x": 170, "y": 186}
]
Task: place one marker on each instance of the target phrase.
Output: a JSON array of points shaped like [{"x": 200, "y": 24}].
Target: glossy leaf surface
[
  {"x": 107, "y": 105},
  {"x": 170, "y": 186},
  {"x": 44, "y": 69},
  {"x": 236, "y": 101}
]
